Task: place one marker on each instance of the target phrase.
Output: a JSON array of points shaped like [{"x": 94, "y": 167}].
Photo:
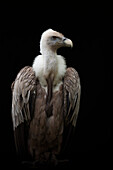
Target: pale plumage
[
  {"x": 45, "y": 102},
  {"x": 38, "y": 67}
]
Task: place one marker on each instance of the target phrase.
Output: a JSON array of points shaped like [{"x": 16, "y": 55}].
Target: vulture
[{"x": 45, "y": 104}]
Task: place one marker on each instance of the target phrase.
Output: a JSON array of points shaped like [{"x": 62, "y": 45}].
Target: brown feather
[
  {"x": 72, "y": 90},
  {"x": 21, "y": 94},
  {"x": 46, "y": 132}
]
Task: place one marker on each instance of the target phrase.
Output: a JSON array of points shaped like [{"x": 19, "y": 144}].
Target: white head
[{"x": 52, "y": 40}]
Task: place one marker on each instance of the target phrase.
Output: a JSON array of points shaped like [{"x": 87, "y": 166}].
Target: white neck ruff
[{"x": 38, "y": 67}]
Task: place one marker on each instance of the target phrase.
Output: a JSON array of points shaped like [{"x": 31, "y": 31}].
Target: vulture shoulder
[{"x": 23, "y": 93}]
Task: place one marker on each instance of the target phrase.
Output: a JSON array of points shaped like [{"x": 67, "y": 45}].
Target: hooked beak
[{"x": 67, "y": 42}]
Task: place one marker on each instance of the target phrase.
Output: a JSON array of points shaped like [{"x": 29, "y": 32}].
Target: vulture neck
[
  {"x": 50, "y": 71},
  {"x": 50, "y": 63}
]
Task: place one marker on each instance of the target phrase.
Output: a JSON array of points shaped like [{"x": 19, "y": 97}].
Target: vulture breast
[{"x": 46, "y": 132}]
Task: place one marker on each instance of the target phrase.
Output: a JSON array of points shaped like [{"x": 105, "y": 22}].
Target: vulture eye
[{"x": 54, "y": 37}]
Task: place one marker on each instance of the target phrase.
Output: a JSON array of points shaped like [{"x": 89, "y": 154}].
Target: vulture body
[{"x": 45, "y": 102}]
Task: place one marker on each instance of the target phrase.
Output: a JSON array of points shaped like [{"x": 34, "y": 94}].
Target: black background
[{"x": 20, "y": 33}]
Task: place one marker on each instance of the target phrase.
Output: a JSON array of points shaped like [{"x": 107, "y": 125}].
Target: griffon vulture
[{"x": 45, "y": 103}]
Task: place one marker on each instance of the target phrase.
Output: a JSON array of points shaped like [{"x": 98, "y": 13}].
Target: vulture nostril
[{"x": 64, "y": 38}]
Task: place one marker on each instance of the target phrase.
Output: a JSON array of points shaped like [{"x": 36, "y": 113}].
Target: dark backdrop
[{"x": 20, "y": 36}]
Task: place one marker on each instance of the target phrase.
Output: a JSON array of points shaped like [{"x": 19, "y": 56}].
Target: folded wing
[
  {"x": 72, "y": 91},
  {"x": 23, "y": 97}
]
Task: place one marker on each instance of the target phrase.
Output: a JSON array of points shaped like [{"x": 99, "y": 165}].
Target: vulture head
[{"x": 52, "y": 40}]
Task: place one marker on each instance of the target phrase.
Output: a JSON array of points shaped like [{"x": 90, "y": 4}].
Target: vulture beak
[{"x": 67, "y": 42}]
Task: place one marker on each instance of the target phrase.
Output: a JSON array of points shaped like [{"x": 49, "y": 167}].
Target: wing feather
[
  {"x": 22, "y": 105},
  {"x": 72, "y": 91},
  {"x": 71, "y": 95},
  {"x": 22, "y": 88}
]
